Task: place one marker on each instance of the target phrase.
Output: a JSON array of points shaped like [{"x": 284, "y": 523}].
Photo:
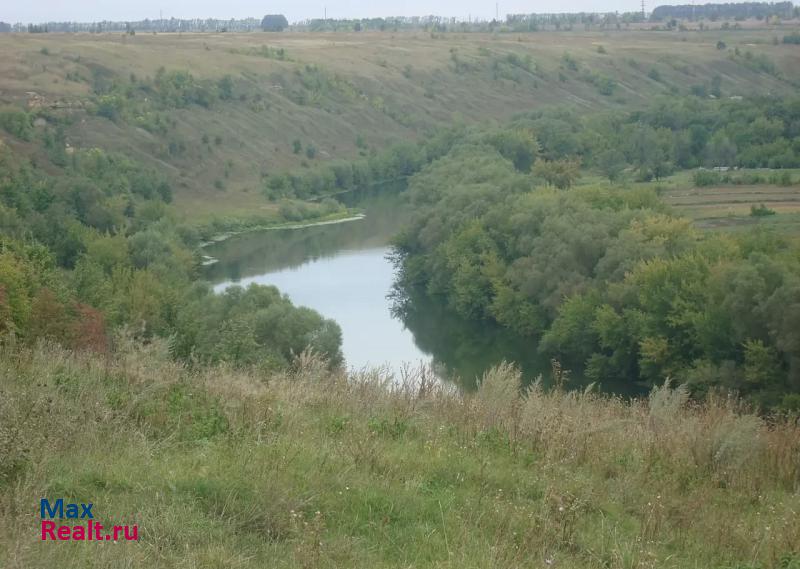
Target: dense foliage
[
  {"x": 89, "y": 245},
  {"x": 609, "y": 281},
  {"x": 675, "y": 133}
]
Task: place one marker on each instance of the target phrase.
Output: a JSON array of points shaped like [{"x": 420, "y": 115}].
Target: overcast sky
[{"x": 27, "y": 11}]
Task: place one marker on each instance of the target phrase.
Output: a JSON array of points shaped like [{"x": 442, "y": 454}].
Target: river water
[{"x": 343, "y": 272}]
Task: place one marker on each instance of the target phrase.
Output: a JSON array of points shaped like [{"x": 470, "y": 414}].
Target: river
[{"x": 343, "y": 272}]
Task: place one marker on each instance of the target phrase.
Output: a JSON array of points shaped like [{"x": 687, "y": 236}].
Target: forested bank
[
  {"x": 604, "y": 277},
  {"x": 95, "y": 250}
]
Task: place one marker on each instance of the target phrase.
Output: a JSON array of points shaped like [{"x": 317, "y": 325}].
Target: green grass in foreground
[{"x": 224, "y": 468}]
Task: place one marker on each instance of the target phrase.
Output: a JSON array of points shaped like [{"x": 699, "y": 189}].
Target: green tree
[
  {"x": 762, "y": 368},
  {"x": 611, "y": 164},
  {"x": 559, "y": 173},
  {"x": 274, "y": 23},
  {"x": 518, "y": 145}
]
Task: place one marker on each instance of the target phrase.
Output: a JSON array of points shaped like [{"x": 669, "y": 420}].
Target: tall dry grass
[{"x": 311, "y": 468}]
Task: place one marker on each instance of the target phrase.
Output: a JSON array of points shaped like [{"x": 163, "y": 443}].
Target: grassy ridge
[
  {"x": 317, "y": 469},
  {"x": 341, "y": 95}
]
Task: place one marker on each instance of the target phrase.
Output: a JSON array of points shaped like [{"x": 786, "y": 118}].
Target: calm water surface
[
  {"x": 339, "y": 270},
  {"x": 343, "y": 272}
]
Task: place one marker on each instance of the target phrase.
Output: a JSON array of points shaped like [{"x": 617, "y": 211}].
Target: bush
[
  {"x": 793, "y": 38},
  {"x": 703, "y": 178},
  {"x": 330, "y": 205},
  {"x": 16, "y": 123},
  {"x": 293, "y": 210},
  {"x": 761, "y": 211},
  {"x": 569, "y": 62}
]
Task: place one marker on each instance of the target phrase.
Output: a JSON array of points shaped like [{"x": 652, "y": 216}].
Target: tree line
[{"x": 733, "y": 11}]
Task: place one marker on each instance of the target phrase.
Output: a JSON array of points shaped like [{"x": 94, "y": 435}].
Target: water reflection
[
  {"x": 262, "y": 252},
  {"x": 462, "y": 349},
  {"x": 343, "y": 272}
]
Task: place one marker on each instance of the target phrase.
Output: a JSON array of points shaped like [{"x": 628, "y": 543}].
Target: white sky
[{"x": 33, "y": 11}]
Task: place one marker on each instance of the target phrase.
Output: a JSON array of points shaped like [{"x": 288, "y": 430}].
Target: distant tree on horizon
[
  {"x": 737, "y": 10},
  {"x": 274, "y": 23}
]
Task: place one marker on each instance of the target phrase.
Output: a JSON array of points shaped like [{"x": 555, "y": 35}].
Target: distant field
[
  {"x": 729, "y": 206},
  {"x": 348, "y": 94}
]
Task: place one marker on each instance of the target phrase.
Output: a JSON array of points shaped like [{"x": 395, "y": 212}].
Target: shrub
[
  {"x": 569, "y": 62},
  {"x": 793, "y": 38},
  {"x": 705, "y": 178},
  {"x": 16, "y": 123},
  {"x": 761, "y": 211},
  {"x": 291, "y": 210}
]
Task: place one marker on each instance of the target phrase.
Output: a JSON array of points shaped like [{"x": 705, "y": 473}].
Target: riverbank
[
  {"x": 310, "y": 468},
  {"x": 340, "y": 217},
  {"x": 341, "y": 270}
]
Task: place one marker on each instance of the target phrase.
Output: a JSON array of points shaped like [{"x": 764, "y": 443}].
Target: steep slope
[{"x": 228, "y": 110}]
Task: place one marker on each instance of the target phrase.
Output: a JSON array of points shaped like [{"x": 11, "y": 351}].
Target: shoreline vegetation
[{"x": 343, "y": 217}]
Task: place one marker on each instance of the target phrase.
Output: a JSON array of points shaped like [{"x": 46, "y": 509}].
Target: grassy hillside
[
  {"x": 298, "y": 99},
  {"x": 316, "y": 469}
]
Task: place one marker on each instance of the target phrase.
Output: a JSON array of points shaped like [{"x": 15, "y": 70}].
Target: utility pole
[{"x": 644, "y": 17}]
